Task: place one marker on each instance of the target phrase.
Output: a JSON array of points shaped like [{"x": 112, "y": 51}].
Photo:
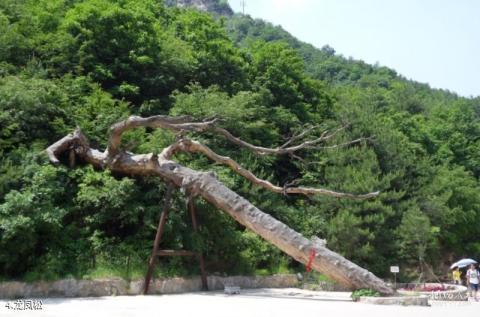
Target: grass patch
[{"x": 364, "y": 292}]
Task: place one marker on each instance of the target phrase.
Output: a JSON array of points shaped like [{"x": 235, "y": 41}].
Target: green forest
[{"x": 88, "y": 64}]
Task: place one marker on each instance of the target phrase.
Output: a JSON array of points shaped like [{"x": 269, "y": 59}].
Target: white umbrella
[{"x": 463, "y": 263}]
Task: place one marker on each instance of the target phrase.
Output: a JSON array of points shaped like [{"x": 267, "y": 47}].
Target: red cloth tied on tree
[{"x": 310, "y": 260}]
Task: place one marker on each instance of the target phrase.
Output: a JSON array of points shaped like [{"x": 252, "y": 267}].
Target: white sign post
[{"x": 395, "y": 270}]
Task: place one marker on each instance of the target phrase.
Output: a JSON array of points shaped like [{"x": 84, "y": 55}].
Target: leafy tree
[
  {"x": 29, "y": 111},
  {"x": 417, "y": 236},
  {"x": 125, "y": 46},
  {"x": 32, "y": 218},
  {"x": 218, "y": 61}
]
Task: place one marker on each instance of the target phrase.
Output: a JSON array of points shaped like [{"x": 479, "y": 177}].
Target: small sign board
[{"x": 394, "y": 269}]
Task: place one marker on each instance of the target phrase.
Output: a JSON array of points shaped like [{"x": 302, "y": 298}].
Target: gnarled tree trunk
[{"x": 206, "y": 185}]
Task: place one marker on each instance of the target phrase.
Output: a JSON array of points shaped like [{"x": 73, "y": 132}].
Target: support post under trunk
[
  {"x": 203, "y": 273},
  {"x": 158, "y": 237}
]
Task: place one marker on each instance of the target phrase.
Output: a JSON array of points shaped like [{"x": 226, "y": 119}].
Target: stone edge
[
  {"x": 421, "y": 300},
  {"x": 117, "y": 286},
  {"x": 460, "y": 293}
]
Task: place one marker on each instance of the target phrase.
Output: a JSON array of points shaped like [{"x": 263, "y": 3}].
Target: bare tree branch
[
  {"x": 299, "y": 136},
  {"x": 325, "y": 136},
  {"x": 60, "y": 146},
  {"x": 111, "y": 155},
  {"x": 338, "y": 145},
  {"x": 182, "y": 124},
  {"x": 186, "y": 145},
  {"x": 77, "y": 142},
  {"x": 177, "y": 124}
]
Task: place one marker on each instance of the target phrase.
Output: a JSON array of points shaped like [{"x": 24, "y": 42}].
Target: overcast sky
[{"x": 430, "y": 41}]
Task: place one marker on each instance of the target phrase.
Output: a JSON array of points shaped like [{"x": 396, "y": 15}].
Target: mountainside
[
  {"x": 91, "y": 63},
  {"x": 320, "y": 63}
]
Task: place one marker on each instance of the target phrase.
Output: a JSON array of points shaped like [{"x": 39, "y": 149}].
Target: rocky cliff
[{"x": 220, "y": 7}]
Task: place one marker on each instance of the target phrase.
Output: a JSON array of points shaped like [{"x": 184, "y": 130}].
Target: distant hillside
[
  {"x": 320, "y": 63},
  {"x": 324, "y": 64}
]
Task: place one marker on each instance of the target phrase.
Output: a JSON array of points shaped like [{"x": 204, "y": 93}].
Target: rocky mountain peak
[{"x": 220, "y": 7}]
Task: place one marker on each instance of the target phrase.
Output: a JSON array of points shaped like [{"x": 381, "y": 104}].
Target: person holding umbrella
[
  {"x": 473, "y": 280},
  {"x": 459, "y": 265}
]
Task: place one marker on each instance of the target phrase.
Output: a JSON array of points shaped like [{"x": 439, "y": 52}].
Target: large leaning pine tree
[{"x": 204, "y": 184}]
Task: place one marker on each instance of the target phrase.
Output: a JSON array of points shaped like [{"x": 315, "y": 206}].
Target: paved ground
[{"x": 251, "y": 303}]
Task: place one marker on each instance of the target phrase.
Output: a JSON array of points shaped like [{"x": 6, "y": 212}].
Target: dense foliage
[{"x": 68, "y": 63}]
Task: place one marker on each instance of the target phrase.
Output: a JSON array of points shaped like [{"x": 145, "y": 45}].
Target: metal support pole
[
  {"x": 395, "y": 281},
  {"x": 158, "y": 237},
  {"x": 203, "y": 274}
]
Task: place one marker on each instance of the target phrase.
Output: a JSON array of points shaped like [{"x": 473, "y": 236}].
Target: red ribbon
[{"x": 310, "y": 260}]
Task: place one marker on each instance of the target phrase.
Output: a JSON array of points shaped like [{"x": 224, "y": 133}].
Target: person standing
[
  {"x": 456, "y": 274},
  {"x": 473, "y": 279}
]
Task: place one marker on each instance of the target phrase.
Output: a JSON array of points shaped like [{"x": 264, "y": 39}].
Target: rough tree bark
[{"x": 206, "y": 185}]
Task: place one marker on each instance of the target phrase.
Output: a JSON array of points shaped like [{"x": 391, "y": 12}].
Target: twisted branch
[
  {"x": 177, "y": 124},
  {"x": 76, "y": 141},
  {"x": 190, "y": 146},
  {"x": 282, "y": 149}
]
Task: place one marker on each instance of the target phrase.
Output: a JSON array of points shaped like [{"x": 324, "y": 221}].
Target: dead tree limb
[
  {"x": 190, "y": 146},
  {"x": 286, "y": 148},
  {"x": 212, "y": 190}
]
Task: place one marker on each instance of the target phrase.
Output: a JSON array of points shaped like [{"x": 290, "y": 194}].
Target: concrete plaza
[{"x": 250, "y": 303}]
